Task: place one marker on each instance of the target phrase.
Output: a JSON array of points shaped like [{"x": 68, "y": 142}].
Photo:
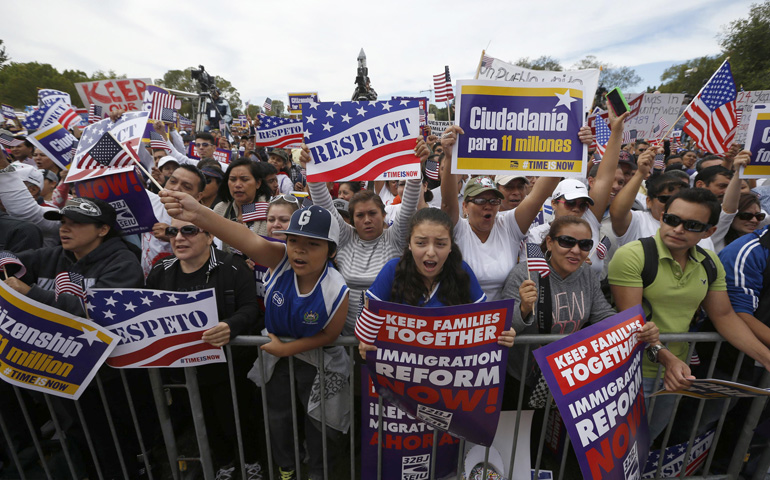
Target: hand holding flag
[
  {"x": 8, "y": 258},
  {"x": 536, "y": 260}
]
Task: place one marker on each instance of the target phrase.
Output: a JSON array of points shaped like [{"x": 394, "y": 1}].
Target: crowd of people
[{"x": 688, "y": 241}]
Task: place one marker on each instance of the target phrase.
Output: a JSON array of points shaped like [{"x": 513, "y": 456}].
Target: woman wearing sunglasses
[
  {"x": 197, "y": 265},
  {"x": 748, "y": 218}
]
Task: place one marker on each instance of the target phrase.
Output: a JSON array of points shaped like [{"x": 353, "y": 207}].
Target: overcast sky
[{"x": 270, "y": 48}]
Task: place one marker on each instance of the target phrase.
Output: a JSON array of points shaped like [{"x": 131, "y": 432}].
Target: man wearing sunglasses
[{"x": 679, "y": 287}]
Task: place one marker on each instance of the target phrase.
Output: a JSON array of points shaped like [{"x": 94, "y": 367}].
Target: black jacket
[
  {"x": 234, "y": 284},
  {"x": 110, "y": 265}
]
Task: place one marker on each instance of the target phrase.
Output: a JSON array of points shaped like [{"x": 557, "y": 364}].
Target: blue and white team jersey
[
  {"x": 289, "y": 313},
  {"x": 383, "y": 284}
]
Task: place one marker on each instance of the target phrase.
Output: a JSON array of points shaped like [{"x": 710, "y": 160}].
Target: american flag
[
  {"x": 738, "y": 116},
  {"x": 431, "y": 168},
  {"x": 9, "y": 113},
  {"x": 120, "y": 310},
  {"x": 7, "y": 258},
  {"x": 69, "y": 282},
  {"x": 626, "y": 136},
  {"x": 603, "y": 247},
  {"x": 635, "y": 105},
  {"x": 55, "y": 112},
  {"x": 185, "y": 122},
  {"x": 253, "y": 212},
  {"x": 158, "y": 142},
  {"x": 677, "y": 136},
  {"x": 602, "y": 135},
  {"x": 279, "y": 132},
  {"x": 268, "y": 105},
  {"x": 659, "y": 162},
  {"x": 168, "y": 115},
  {"x": 673, "y": 457},
  {"x": 662, "y": 125},
  {"x": 106, "y": 152},
  {"x": 536, "y": 261},
  {"x": 369, "y": 159},
  {"x": 368, "y": 326},
  {"x": 8, "y": 140},
  {"x": 711, "y": 117},
  {"x": 442, "y": 84},
  {"x": 160, "y": 101},
  {"x": 486, "y": 60},
  {"x": 94, "y": 114}
]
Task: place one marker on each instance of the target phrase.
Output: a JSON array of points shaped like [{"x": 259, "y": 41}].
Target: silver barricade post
[
  {"x": 294, "y": 421},
  {"x": 236, "y": 411},
  {"x": 111, "y": 424},
  {"x": 166, "y": 428},
  {"x": 747, "y": 431},
  {"x": 191, "y": 378},
  {"x": 265, "y": 413},
  {"x": 89, "y": 441},
  {"x": 60, "y": 433},
  {"x": 322, "y": 370},
  {"x": 352, "y": 378},
  {"x": 11, "y": 447},
  {"x": 32, "y": 432},
  {"x": 135, "y": 419}
]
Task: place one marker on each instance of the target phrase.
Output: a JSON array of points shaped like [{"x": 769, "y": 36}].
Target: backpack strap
[
  {"x": 708, "y": 264},
  {"x": 650, "y": 269}
]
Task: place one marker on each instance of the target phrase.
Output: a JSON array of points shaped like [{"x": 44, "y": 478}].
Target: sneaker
[
  {"x": 287, "y": 474},
  {"x": 225, "y": 473},
  {"x": 253, "y": 471}
]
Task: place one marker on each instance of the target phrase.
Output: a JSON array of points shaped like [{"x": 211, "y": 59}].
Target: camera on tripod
[{"x": 205, "y": 81}]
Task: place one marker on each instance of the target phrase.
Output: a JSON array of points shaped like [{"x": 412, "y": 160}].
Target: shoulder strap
[
  {"x": 708, "y": 264},
  {"x": 650, "y": 269},
  {"x": 544, "y": 310}
]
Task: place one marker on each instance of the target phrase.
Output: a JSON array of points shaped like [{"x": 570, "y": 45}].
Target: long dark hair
[
  {"x": 745, "y": 201},
  {"x": 258, "y": 170},
  {"x": 408, "y": 287}
]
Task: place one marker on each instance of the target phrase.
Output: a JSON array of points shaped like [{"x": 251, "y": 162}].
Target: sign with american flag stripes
[
  {"x": 278, "y": 132},
  {"x": 157, "y": 328}
]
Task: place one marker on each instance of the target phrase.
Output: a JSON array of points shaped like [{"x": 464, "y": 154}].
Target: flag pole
[
  {"x": 693, "y": 98},
  {"x": 481, "y": 60},
  {"x": 5, "y": 272},
  {"x": 137, "y": 162}
]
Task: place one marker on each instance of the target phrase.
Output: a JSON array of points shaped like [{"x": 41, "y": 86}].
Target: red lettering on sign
[
  {"x": 125, "y": 89},
  {"x": 92, "y": 95}
]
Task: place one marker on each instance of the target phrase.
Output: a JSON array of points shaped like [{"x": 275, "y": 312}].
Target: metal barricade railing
[{"x": 173, "y": 458}]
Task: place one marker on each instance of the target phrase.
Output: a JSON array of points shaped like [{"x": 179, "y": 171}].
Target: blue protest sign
[
  {"x": 758, "y": 142},
  {"x": 530, "y": 129},
  {"x": 297, "y": 99},
  {"x": 56, "y": 143},
  {"x": 46, "y": 349}
]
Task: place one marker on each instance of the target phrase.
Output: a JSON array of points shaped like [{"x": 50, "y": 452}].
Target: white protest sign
[
  {"x": 744, "y": 103},
  {"x": 654, "y": 107},
  {"x": 118, "y": 94}
]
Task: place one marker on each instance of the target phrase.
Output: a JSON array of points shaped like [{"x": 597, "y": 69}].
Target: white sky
[{"x": 270, "y": 48}]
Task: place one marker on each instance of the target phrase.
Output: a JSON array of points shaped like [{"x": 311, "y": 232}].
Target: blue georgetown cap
[{"x": 315, "y": 222}]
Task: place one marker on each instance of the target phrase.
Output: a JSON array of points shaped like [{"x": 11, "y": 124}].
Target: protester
[
  {"x": 197, "y": 265},
  {"x": 746, "y": 220},
  {"x": 279, "y": 159},
  {"x": 348, "y": 189},
  {"x": 282, "y": 207},
  {"x": 300, "y": 282}
]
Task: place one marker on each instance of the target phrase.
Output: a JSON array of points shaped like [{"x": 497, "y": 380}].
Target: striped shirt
[{"x": 360, "y": 260}]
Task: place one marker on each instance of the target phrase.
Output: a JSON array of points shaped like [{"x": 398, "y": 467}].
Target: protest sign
[
  {"x": 157, "y": 328},
  {"x": 296, "y": 100},
  {"x": 407, "y": 443},
  {"x": 128, "y": 130},
  {"x": 673, "y": 458},
  {"x": 586, "y": 80},
  {"x": 362, "y": 140},
  {"x": 654, "y": 112},
  {"x": 744, "y": 103},
  {"x": 117, "y": 94},
  {"x": 47, "y": 97},
  {"x": 529, "y": 129},
  {"x": 57, "y": 111},
  {"x": 437, "y": 127},
  {"x": 758, "y": 142},
  {"x": 56, "y": 143},
  {"x": 125, "y": 193},
  {"x": 595, "y": 377},
  {"x": 716, "y": 388},
  {"x": 423, "y": 106},
  {"x": 220, "y": 154},
  {"x": 278, "y": 132},
  {"x": 443, "y": 365},
  {"x": 46, "y": 349}
]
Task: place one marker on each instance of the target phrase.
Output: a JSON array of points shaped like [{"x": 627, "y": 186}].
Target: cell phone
[{"x": 617, "y": 101}]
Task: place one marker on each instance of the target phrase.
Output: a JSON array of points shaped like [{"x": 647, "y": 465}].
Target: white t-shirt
[
  {"x": 494, "y": 259},
  {"x": 385, "y": 195},
  {"x": 643, "y": 224},
  {"x": 538, "y": 234}
]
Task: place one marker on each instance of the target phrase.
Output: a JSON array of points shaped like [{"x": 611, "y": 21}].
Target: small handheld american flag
[
  {"x": 94, "y": 113},
  {"x": 536, "y": 261},
  {"x": 268, "y": 105},
  {"x": 602, "y": 135},
  {"x": 161, "y": 101},
  {"x": 7, "y": 258},
  {"x": 442, "y": 84},
  {"x": 368, "y": 326},
  {"x": 431, "y": 169},
  {"x": 252, "y": 212},
  {"x": 69, "y": 282},
  {"x": 603, "y": 247}
]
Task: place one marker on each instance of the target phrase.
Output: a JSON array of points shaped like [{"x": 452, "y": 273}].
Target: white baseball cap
[{"x": 571, "y": 189}]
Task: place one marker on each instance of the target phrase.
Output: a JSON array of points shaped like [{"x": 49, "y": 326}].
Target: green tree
[
  {"x": 278, "y": 108},
  {"x": 541, "y": 63},
  {"x": 19, "y": 83},
  {"x": 689, "y": 76},
  {"x": 4, "y": 58},
  {"x": 253, "y": 110},
  {"x": 747, "y": 42},
  {"x": 611, "y": 75}
]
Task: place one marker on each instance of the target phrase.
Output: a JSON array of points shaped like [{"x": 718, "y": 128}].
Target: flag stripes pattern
[
  {"x": 442, "y": 85},
  {"x": 711, "y": 117}
]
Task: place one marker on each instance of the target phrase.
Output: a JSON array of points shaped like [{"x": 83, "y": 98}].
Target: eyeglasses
[
  {"x": 565, "y": 241},
  {"x": 663, "y": 198},
  {"x": 689, "y": 225},
  {"x": 749, "y": 216},
  {"x": 484, "y": 201},
  {"x": 582, "y": 205},
  {"x": 187, "y": 231},
  {"x": 285, "y": 198},
  {"x": 203, "y": 144}
]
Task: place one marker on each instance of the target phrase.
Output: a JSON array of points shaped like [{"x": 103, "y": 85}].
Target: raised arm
[
  {"x": 620, "y": 210},
  {"x": 600, "y": 190},
  {"x": 733, "y": 190},
  {"x": 411, "y": 197},
  {"x": 184, "y": 207},
  {"x": 449, "y": 190}
]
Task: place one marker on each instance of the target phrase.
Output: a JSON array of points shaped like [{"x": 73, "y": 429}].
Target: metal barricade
[{"x": 176, "y": 463}]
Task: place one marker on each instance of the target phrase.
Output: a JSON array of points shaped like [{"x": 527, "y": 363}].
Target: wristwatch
[{"x": 652, "y": 352}]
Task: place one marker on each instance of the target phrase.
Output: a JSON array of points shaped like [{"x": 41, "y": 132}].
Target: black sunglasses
[
  {"x": 663, "y": 198},
  {"x": 581, "y": 204},
  {"x": 565, "y": 241},
  {"x": 749, "y": 216},
  {"x": 187, "y": 231},
  {"x": 689, "y": 225},
  {"x": 484, "y": 201}
]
